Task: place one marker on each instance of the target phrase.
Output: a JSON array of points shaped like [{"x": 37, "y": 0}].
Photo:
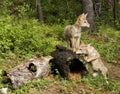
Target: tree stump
[{"x": 36, "y": 67}]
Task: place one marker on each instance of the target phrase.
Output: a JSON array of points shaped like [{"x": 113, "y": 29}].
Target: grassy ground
[{"x": 106, "y": 41}]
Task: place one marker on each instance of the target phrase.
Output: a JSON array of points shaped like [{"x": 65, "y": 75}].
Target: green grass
[
  {"x": 99, "y": 82},
  {"x": 88, "y": 85}
]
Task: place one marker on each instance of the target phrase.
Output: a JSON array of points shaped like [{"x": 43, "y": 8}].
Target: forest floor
[
  {"x": 81, "y": 88},
  {"x": 114, "y": 71},
  {"x": 57, "y": 86},
  {"x": 77, "y": 87}
]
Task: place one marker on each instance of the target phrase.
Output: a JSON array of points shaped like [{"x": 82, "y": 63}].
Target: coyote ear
[
  {"x": 83, "y": 14},
  {"x": 86, "y": 14},
  {"x": 89, "y": 45}
]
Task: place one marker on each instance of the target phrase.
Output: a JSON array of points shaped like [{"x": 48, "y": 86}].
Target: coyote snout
[{"x": 72, "y": 33}]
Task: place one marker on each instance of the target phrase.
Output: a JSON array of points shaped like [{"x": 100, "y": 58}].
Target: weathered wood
[{"x": 36, "y": 67}]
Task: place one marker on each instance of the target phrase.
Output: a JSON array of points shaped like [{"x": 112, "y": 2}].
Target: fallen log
[{"x": 36, "y": 67}]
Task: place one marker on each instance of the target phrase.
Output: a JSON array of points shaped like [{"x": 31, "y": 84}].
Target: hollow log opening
[
  {"x": 32, "y": 67},
  {"x": 76, "y": 66}
]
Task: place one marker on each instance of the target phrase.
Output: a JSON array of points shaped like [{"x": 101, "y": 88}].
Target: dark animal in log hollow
[{"x": 67, "y": 61}]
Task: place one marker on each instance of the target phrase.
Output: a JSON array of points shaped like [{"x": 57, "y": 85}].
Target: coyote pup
[
  {"x": 94, "y": 58},
  {"x": 72, "y": 33}
]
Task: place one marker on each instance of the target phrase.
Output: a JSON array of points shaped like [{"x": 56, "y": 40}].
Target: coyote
[
  {"x": 94, "y": 58},
  {"x": 72, "y": 33}
]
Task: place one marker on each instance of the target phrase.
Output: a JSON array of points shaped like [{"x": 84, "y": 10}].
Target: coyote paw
[{"x": 95, "y": 74}]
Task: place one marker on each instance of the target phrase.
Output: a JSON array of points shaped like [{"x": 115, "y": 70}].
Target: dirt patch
[
  {"x": 74, "y": 75},
  {"x": 114, "y": 71},
  {"x": 54, "y": 89},
  {"x": 79, "y": 88}
]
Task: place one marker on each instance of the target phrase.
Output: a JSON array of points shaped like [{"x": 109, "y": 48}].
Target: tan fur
[
  {"x": 97, "y": 64},
  {"x": 72, "y": 33},
  {"x": 74, "y": 75},
  {"x": 94, "y": 58}
]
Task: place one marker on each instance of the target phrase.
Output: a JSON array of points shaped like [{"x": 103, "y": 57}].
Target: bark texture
[
  {"x": 39, "y": 10},
  {"x": 88, "y": 8},
  {"x": 36, "y": 67}
]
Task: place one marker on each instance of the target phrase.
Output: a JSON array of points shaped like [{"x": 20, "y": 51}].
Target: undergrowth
[
  {"x": 28, "y": 38},
  {"x": 87, "y": 85},
  {"x": 99, "y": 82}
]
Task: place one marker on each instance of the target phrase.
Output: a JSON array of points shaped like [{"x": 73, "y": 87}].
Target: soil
[
  {"x": 114, "y": 71},
  {"x": 53, "y": 90},
  {"x": 80, "y": 88}
]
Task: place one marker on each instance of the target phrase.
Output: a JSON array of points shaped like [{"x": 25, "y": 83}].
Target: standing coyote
[
  {"x": 94, "y": 58},
  {"x": 72, "y": 33}
]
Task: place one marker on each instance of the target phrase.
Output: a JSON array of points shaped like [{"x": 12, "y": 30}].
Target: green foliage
[
  {"x": 29, "y": 37},
  {"x": 107, "y": 15},
  {"x": 57, "y": 11},
  {"x": 74, "y": 86}
]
